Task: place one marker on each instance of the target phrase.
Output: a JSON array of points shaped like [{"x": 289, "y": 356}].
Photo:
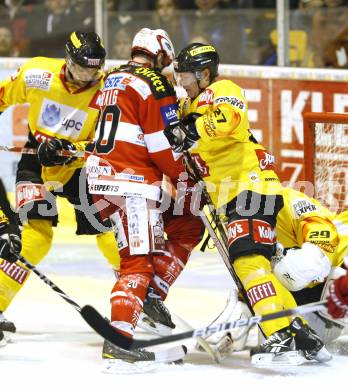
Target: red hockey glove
[{"x": 338, "y": 297}]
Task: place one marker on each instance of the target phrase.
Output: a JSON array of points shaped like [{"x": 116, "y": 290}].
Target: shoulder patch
[
  {"x": 169, "y": 113},
  {"x": 159, "y": 84},
  {"x": 303, "y": 206},
  {"x": 232, "y": 100},
  {"x": 206, "y": 97},
  {"x": 120, "y": 80}
]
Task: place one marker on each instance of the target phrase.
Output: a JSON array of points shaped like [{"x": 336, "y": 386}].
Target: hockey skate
[
  {"x": 155, "y": 318},
  {"x": 290, "y": 346},
  {"x": 309, "y": 342},
  {"x": 7, "y": 329},
  {"x": 121, "y": 361}
]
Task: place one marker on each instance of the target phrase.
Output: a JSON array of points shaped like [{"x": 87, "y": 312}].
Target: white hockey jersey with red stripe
[{"x": 136, "y": 105}]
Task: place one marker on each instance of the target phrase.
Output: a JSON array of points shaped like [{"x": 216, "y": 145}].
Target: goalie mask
[
  {"x": 152, "y": 43},
  {"x": 85, "y": 56}
]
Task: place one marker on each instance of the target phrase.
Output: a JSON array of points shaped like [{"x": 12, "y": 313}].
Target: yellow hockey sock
[
  {"x": 266, "y": 294},
  {"x": 36, "y": 242},
  {"x": 108, "y": 246}
]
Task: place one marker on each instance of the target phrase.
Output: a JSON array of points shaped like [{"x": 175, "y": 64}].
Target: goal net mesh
[{"x": 328, "y": 167}]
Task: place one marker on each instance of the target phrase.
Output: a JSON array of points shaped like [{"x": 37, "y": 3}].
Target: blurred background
[{"x": 244, "y": 31}]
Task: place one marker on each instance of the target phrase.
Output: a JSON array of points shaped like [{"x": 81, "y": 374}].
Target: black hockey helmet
[
  {"x": 196, "y": 57},
  {"x": 86, "y": 49}
]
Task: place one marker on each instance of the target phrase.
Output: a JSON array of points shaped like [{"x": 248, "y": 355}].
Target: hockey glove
[
  {"x": 48, "y": 156},
  {"x": 183, "y": 134},
  {"x": 337, "y": 303},
  {"x": 10, "y": 242}
]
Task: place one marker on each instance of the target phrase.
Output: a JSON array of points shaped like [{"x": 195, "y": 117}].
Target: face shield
[
  {"x": 189, "y": 82},
  {"x": 81, "y": 74}
]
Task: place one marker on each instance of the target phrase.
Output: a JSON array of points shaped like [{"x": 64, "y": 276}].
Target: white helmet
[{"x": 152, "y": 43}]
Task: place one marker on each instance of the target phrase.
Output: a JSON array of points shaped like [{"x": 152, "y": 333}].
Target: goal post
[{"x": 326, "y": 157}]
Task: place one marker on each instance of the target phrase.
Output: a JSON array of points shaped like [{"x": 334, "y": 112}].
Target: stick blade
[{"x": 103, "y": 327}]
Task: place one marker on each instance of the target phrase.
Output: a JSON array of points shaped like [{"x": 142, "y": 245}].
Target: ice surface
[{"x": 55, "y": 349}]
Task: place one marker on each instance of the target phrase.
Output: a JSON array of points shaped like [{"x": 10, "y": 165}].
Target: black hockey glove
[
  {"x": 183, "y": 134},
  {"x": 10, "y": 242},
  {"x": 48, "y": 156}
]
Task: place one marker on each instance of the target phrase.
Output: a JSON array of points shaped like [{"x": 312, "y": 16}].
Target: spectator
[
  {"x": 329, "y": 34},
  {"x": 18, "y": 13},
  {"x": 121, "y": 43},
  {"x": 219, "y": 26},
  {"x": 201, "y": 38},
  {"x": 50, "y": 27},
  {"x": 85, "y": 11},
  {"x": 167, "y": 16},
  {"x": 7, "y": 48},
  {"x": 129, "y": 5}
]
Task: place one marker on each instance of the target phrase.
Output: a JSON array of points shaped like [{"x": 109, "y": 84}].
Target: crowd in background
[{"x": 244, "y": 31}]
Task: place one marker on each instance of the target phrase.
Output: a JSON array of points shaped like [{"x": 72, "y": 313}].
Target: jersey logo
[
  {"x": 205, "y": 98},
  {"x": 260, "y": 292},
  {"x": 237, "y": 229},
  {"x": 61, "y": 119},
  {"x": 158, "y": 83},
  {"x": 38, "y": 79},
  {"x": 14, "y": 271},
  {"x": 118, "y": 81},
  {"x": 29, "y": 192},
  {"x": 232, "y": 100},
  {"x": 264, "y": 233},
  {"x": 303, "y": 206},
  {"x": 266, "y": 160},
  {"x": 169, "y": 114},
  {"x": 51, "y": 115}
]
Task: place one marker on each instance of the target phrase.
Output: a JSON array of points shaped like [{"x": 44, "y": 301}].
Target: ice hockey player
[
  {"x": 10, "y": 245},
  {"x": 62, "y": 96},
  {"x": 241, "y": 181},
  {"x": 137, "y": 102},
  {"x": 312, "y": 243},
  {"x": 316, "y": 243}
]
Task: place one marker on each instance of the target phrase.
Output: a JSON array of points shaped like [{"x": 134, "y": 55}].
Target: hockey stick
[
  {"x": 208, "y": 330},
  {"x": 93, "y": 318},
  {"x": 18, "y": 149},
  {"x": 220, "y": 244}
]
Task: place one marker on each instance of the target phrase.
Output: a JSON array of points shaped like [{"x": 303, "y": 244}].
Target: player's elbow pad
[{"x": 300, "y": 267}]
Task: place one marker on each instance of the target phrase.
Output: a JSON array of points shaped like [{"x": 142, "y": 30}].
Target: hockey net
[{"x": 326, "y": 157}]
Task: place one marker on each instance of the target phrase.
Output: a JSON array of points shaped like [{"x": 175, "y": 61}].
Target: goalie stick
[
  {"x": 18, "y": 149},
  {"x": 315, "y": 306}
]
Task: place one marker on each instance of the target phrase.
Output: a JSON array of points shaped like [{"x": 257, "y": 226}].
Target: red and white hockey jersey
[{"x": 136, "y": 105}]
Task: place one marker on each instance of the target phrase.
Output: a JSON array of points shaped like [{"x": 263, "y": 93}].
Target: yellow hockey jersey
[
  {"x": 304, "y": 219},
  {"x": 56, "y": 108},
  {"x": 227, "y": 157}
]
